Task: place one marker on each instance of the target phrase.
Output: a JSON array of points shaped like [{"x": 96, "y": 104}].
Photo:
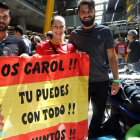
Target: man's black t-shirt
[
  {"x": 16, "y": 45},
  {"x": 94, "y": 42},
  {"x": 134, "y": 54}
]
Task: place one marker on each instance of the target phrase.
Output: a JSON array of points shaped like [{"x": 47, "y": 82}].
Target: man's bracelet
[{"x": 116, "y": 80}]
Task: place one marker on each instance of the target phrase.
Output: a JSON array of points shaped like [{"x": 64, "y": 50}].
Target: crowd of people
[
  {"x": 130, "y": 52},
  {"x": 93, "y": 39}
]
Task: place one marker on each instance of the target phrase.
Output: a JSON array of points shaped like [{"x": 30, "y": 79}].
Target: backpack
[{"x": 112, "y": 127}]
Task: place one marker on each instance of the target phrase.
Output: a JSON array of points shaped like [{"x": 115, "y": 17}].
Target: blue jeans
[
  {"x": 121, "y": 60},
  {"x": 136, "y": 66}
]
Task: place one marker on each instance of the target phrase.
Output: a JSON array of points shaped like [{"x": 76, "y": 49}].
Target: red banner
[{"x": 44, "y": 98}]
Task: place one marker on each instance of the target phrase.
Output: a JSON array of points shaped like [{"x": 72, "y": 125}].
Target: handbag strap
[
  {"x": 53, "y": 48},
  {"x": 124, "y": 124}
]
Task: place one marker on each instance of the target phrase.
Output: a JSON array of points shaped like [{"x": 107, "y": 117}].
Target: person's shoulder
[
  {"x": 136, "y": 42},
  {"x": 14, "y": 39},
  {"x": 124, "y": 44},
  {"x": 100, "y": 26},
  {"x": 77, "y": 29},
  {"x": 116, "y": 45},
  {"x": 43, "y": 44},
  {"x": 26, "y": 39}
]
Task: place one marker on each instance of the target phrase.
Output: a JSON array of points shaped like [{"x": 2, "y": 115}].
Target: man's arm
[{"x": 114, "y": 68}]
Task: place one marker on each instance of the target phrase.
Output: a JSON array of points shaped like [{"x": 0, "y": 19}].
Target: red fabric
[
  {"x": 46, "y": 49},
  {"x": 116, "y": 49},
  {"x": 73, "y": 131},
  {"x": 72, "y": 64}
]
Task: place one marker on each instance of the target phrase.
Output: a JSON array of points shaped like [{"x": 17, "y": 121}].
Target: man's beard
[
  {"x": 2, "y": 28},
  {"x": 88, "y": 23}
]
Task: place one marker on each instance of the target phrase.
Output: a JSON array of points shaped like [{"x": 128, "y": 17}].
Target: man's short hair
[
  {"x": 50, "y": 34},
  {"x": 5, "y": 6},
  {"x": 90, "y": 3},
  {"x": 19, "y": 29},
  {"x": 133, "y": 33}
]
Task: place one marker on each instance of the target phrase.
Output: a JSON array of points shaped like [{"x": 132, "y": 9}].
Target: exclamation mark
[
  {"x": 70, "y": 64},
  {"x": 74, "y": 133},
  {"x": 69, "y": 108},
  {"x": 70, "y": 133},
  {"x": 75, "y": 62},
  {"x": 73, "y": 108}
]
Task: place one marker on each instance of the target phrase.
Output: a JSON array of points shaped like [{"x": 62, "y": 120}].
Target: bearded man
[
  {"x": 16, "y": 45},
  {"x": 97, "y": 41}
]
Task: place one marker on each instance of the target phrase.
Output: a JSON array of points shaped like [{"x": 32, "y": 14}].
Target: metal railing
[{"x": 40, "y": 4}]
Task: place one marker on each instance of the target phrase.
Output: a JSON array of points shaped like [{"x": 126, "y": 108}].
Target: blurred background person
[
  {"x": 26, "y": 36},
  {"x": 16, "y": 45},
  {"x": 49, "y": 35},
  {"x": 18, "y": 32},
  {"x": 121, "y": 50},
  {"x": 43, "y": 38},
  {"x": 133, "y": 49},
  {"x": 35, "y": 40}
]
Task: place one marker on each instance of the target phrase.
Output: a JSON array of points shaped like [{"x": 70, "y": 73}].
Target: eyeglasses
[
  {"x": 4, "y": 17},
  {"x": 128, "y": 34}
]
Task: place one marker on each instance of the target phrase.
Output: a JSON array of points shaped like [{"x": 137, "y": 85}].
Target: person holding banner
[
  {"x": 16, "y": 45},
  {"x": 96, "y": 40},
  {"x": 56, "y": 45}
]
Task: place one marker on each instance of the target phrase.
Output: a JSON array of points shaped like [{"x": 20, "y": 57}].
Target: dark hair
[
  {"x": 90, "y": 3},
  {"x": 120, "y": 38},
  {"x": 50, "y": 34},
  {"x": 57, "y": 18},
  {"x": 5, "y": 6},
  {"x": 19, "y": 29},
  {"x": 35, "y": 40}
]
